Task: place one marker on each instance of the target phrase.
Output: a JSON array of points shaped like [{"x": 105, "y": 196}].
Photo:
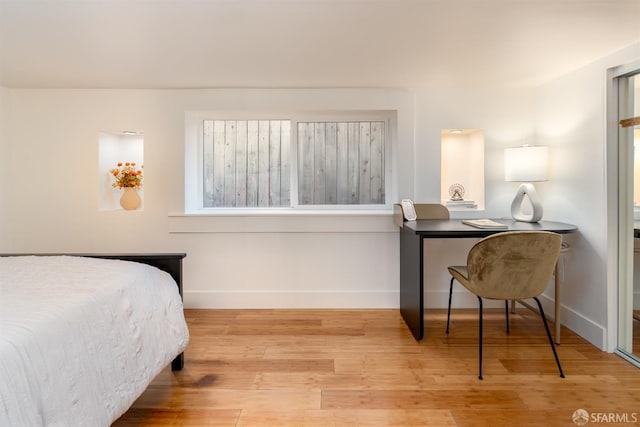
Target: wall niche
[
  {"x": 462, "y": 169},
  {"x": 115, "y": 147}
]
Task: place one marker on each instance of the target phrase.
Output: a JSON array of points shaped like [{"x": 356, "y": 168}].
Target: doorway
[{"x": 624, "y": 145}]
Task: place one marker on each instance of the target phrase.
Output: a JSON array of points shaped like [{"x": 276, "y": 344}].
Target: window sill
[
  {"x": 241, "y": 212},
  {"x": 282, "y": 221}
]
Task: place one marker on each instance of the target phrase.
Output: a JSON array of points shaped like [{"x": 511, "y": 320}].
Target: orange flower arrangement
[{"x": 127, "y": 175}]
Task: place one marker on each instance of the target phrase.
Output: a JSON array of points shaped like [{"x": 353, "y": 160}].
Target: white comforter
[{"x": 81, "y": 338}]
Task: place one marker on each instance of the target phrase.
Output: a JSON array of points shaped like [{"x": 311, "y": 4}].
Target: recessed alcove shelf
[
  {"x": 462, "y": 168},
  {"x": 114, "y": 147}
]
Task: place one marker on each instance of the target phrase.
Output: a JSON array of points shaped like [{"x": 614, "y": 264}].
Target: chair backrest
[
  {"x": 431, "y": 211},
  {"x": 423, "y": 211},
  {"x": 513, "y": 265}
]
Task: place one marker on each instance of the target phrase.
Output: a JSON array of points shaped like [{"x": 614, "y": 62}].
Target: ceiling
[{"x": 306, "y": 43}]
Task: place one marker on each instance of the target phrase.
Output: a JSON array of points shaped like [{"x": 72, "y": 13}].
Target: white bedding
[{"x": 81, "y": 338}]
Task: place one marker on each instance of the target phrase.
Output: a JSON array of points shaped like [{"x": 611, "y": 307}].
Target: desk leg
[
  {"x": 557, "y": 307},
  {"x": 411, "y": 282}
]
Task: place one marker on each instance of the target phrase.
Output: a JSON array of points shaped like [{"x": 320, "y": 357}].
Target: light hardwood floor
[{"x": 363, "y": 368}]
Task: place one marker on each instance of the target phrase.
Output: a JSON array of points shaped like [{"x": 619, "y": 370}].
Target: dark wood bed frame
[{"x": 170, "y": 262}]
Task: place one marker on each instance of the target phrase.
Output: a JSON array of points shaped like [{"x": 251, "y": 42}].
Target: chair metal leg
[
  {"x": 449, "y": 309},
  {"x": 546, "y": 327},
  {"x": 506, "y": 311},
  {"x": 480, "y": 339}
]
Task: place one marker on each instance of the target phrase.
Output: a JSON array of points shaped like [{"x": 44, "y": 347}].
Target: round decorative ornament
[
  {"x": 130, "y": 200},
  {"x": 456, "y": 192}
]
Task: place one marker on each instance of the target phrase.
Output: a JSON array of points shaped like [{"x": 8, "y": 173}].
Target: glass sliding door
[{"x": 628, "y": 146}]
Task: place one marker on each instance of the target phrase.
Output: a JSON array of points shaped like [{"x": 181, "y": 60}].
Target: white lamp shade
[{"x": 528, "y": 163}]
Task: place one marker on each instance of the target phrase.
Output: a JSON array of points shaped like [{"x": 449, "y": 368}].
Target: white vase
[{"x": 130, "y": 200}]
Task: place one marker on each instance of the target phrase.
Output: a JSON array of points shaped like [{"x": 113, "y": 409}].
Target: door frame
[{"x": 619, "y": 187}]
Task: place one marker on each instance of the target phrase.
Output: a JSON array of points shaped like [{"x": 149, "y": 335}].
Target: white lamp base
[{"x": 536, "y": 207}]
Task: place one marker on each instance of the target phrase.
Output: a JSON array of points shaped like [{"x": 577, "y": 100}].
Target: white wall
[
  {"x": 276, "y": 261},
  {"x": 5, "y": 179},
  {"x": 310, "y": 261},
  {"x": 571, "y": 120},
  {"x": 338, "y": 261},
  {"x": 568, "y": 115},
  {"x": 505, "y": 118}
]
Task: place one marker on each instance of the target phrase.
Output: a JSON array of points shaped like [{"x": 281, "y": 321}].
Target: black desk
[{"x": 412, "y": 236}]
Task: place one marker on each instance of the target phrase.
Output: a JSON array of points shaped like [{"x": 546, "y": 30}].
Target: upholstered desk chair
[
  {"x": 423, "y": 211},
  {"x": 509, "y": 266},
  {"x": 431, "y": 211}
]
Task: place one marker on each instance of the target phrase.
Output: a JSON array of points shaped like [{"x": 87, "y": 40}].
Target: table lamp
[{"x": 526, "y": 164}]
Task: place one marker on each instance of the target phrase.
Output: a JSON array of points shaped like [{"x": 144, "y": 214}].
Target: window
[
  {"x": 297, "y": 162},
  {"x": 246, "y": 163},
  {"x": 341, "y": 163}
]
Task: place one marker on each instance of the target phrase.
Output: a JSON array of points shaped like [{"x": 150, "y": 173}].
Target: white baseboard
[
  {"x": 586, "y": 328},
  {"x": 290, "y": 299}
]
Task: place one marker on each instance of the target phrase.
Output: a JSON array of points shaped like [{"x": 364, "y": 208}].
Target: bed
[{"x": 81, "y": 337}]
